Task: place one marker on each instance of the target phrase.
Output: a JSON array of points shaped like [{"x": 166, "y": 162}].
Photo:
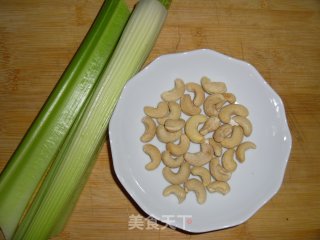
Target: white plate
[{"x": 253, "y": 183}]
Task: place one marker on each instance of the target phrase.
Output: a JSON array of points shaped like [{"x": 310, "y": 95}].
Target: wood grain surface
[{"x": 279, "y": 37}]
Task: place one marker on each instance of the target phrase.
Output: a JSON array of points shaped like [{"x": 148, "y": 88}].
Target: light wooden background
[{"x": 280, "y": 37}]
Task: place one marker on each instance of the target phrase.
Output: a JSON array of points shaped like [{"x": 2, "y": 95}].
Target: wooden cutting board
[{"x": 280, "y": 38}]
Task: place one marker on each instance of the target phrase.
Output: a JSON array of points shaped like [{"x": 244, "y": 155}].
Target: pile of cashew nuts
[{"x": 214, "y": 121}]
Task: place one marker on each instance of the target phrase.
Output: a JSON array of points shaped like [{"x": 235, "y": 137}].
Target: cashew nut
[
  {"x": 217, "y": 171},
  {"x": 196, "y": 186},
  {"x": 222, "y": 132},
  {"x": 175, "y": 93},
  {"x": 200, "y": 158},
  {"x": 188, "y": 107},
  {"x": 160, "y": 111},
  {"x": 154, "y": 155},
  {"x": 219, "y": 186},
  {"x": 191, "y": 128},
  {"x": 180, "y": 148},
  {"x": 242, "y": 148},
  {"x": 171, "y": 162},
  {"x": 230, "y": 97},
  {"x": 203, "y": 173},
  {"x": 213, "y": 87},
  {"x": 245, "y": 124},
  {"x": 164, "y": 136},
  {"x": 235, "y": 139},
  {"x": 217, "y": 148},
  {"x": 199, "y": 94},
  {"x": 227, "y": 160},
  {"x": 209, "y": 105},
  {"x": 173, "y": 125},
  {"x": 220, "y": 105},
  {"x": 210, "y": 125},
  {"x": 177, "y": 190},
  {"x": 174, "y": 113},
  {"x": 150, "y": 129},
  {"x": 177, "y": 178},
  {"x": 232, "y": 109}
]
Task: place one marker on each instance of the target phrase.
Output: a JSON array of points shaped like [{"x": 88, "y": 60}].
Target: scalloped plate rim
[{"x": 133, "y": 194}]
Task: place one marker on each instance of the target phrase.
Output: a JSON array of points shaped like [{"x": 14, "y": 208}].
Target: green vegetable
[
  {"x": 78, "y": 154},
  {"x": 41, "y": 144},
  {"x": 166, "y": 3}
]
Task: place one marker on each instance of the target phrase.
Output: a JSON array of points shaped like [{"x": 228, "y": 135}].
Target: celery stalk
[
  {"x": 50, "y": 177},
  {"x": 73, "y": 161},
  {"x": 165, "y": 3},
  {"x": 25, "y": 169}
]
